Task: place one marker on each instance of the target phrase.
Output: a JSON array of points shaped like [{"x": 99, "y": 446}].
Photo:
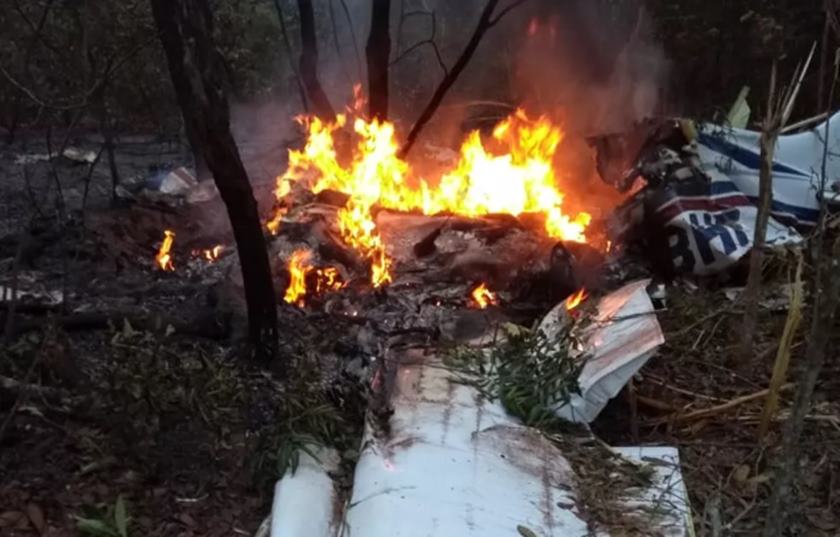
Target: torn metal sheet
[
  {"x": 454, "y": 463},
  {"x": 623, "y": 335},
  {"x": 699, "y": 204},
  {"x": 797, "y": 167},
  {"x": 711, "y": 223}
]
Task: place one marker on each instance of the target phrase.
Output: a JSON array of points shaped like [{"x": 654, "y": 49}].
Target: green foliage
[
  {"x": 529, "y": 373},
  {"x": 304, "y": 420},
  {"x": 106, "y": 521}
]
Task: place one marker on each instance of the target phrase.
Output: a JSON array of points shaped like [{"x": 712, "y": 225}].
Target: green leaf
[
  {"x": 525, "y": 532},
  {"x": 95, "y": 527},
  {"x": 121, "y": 517}
]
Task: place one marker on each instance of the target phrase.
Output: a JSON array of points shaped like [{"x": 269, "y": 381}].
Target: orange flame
[
  {"x": 518, "y": 178},
  {"x": 213, "y": 253},
  {"x": 163, "y": 258},
  {"x": 210, "y": 255},
  {"x": 326, "y": 278},
  {"x": 483, "y": 296},
  {"x": 298, "y": 269},
  {"x": 574, "y": 300}
]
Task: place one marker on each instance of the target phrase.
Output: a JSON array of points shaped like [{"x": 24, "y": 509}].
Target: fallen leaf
[
  {"x": 187, "y": 520},
  {"x": 760, "y": 478},
  {"x": 525, "y": 532},
  {"x": 823, "y": 520},
  {"x": 741, "y": 473},
  {"x": 10, "y": 518},
  {"x": 36, "y": 516},
  {"x": 121, "y": 517}
]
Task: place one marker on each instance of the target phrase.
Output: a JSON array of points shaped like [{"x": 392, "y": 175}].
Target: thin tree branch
[
  {"x": 36, "y": 29},
  {"x": 428, "y": 41},
  {"x": 111, "y": 67},
  {"x": 336, "y": 43},
  {"x": 495, "y": 20},
  {"x": 485, "y": 22},
  {"x": 353, "y": 36},
  {"x": 285, "y": 34}
]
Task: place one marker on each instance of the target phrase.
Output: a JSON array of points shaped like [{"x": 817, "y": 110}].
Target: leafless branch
[
  {"x": 505, "y": 11},
  {"x": 37, "y": 33},
  {"x": 428, "y": 41},
  {"x": 289, "y": 55},
  {"x": 111, "y": 67},
  {"x": 353, "y": 37},
  {"x": 336, "y": 44},
  {"x": 23, "y": 395},
  {"x": 485, "y": 22}
]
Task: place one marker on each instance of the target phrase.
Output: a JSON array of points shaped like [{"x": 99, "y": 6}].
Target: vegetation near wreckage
[{"x": 529, "y": 373}]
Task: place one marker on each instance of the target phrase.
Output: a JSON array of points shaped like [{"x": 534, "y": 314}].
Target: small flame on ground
[
  {"x": 163, "y": 257},
  {"x": 483, "y": 296},
  {"x": 574, "y": 300},
  {"x": 326, "y": 278},
  {"x": 298, "y": 268},
  {"x": 280, "y": 192}
]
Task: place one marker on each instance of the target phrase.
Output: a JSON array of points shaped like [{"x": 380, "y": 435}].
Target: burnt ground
[
  {"x": 122, "y": 405},
  {"x": 138, "y": 390}
]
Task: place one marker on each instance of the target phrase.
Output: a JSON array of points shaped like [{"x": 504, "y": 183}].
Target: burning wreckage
[{"x": 465, "y": 262}]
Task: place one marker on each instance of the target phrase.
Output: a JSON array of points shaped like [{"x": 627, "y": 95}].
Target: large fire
[{"x": 509, "y": 173}]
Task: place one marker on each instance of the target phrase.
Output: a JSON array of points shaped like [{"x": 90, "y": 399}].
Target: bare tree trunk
[
  {"x": 485, "y": 22},
  {"x": 309, "y": 62},
  {"x": 826, "y": 295},
  {"x": 185, "y": 28},
  {"x": 378, "y": 53}
]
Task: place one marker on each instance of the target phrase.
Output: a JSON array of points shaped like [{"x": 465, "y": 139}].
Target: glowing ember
[
  {"x": 213, "y": 253},
  {"x": 483, "y": 296},
  {"x": 301, "y": 271},
  {"x": 515, "y": 177},
  {"x": 574, "y": 300},
  {"x": 327, "y": 279},
  {"x": 163, "y": 257},
  {"x": 210, "y": 255}
]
